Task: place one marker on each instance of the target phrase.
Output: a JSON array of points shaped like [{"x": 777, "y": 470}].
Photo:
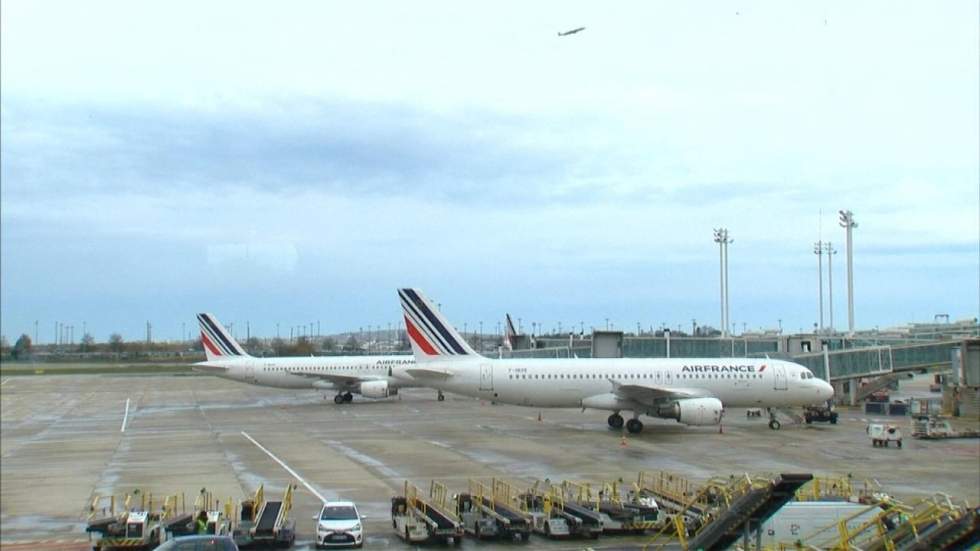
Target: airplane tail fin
[
  {"x": 217, "y": 341},
  {"x": 509, "y": 334},
  {"x": 432, "y": 337}
]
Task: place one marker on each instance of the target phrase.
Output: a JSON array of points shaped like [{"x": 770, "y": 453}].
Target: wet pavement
[{"x": 61, "y": 444}]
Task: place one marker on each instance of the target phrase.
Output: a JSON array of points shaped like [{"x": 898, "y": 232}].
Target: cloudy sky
[{"x": 294, "y": 163}]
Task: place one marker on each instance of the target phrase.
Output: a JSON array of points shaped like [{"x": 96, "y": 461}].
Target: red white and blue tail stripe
[
  {"x": 432, "y": 337},
  {"x": 218, "y": 343},
  {"x": 509, "y": 333}
]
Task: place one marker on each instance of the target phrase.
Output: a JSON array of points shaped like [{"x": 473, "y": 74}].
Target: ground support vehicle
[
  {"x": 630, "y": 514},
  {"x": 936, "y": 427},
  {"x": 485, "y": 516},
  {"x": 264, "y": 522},
  {"x": 135, "y": 527},
  {"x": 881, "y": 435},
  {"x": 822, "y": 414},
  {"x": 417, "y": 519},
  {"x": 554, "y": 517}
]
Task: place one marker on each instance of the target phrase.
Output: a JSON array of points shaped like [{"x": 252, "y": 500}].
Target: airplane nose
[{"x": 826, "y": 390}]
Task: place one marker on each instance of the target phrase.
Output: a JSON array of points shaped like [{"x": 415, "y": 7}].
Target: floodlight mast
[
  {"x": 818, "y": 250},
  {"x": 721, "y": 237},
  {"x": 831, "y": 251},
  {"x": 847, "y": 222}
]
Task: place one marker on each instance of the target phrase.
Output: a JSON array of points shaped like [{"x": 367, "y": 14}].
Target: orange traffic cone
[{"x": 622, "y": 441}]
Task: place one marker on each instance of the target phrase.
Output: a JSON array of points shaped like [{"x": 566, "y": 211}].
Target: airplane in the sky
[
  {"x": 573, "y": 31},
  {"x": 693, "y": 391},
  {"x": 370, "y": 376}
]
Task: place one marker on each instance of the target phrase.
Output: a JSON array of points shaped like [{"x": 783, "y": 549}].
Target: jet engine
[
  {"x": 377, "y": 389},
  {"x": 694, "y": 411}
]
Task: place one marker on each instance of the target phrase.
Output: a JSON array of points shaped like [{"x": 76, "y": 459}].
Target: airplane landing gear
[
  {"x": 773, "y": 422},
  {"x": 634, "y": 426},
  {"x": 343, "y": 398},
  {"x": 615, "y": 421},
  {"x": 440, "y": 396}
]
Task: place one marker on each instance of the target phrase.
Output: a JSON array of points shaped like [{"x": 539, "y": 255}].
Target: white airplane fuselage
[
  {"x": 302, "y": 372},
  {"x": 737, "y": 382}
]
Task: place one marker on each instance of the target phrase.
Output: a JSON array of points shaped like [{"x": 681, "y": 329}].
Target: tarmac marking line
[
  {"x": 3, "y": 382},
  {"x": 125, "y": 417},
  {"x": 285, "y": 466}
]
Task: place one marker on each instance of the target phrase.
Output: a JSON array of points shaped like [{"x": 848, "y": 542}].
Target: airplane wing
[
  {"x": 339, "y": 380},
  {"x": 429, "y": 373},
  {"x": 648, "y": 394}
]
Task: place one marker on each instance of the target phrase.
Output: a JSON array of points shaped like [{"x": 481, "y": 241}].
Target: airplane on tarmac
[
  {"x": 509, "y": 333},
  {"x": 370, "y": 376},
  {"x": 693, "y": 391}
]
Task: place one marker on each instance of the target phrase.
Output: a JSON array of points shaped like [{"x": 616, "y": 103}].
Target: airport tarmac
[{"x": 62, "y": 442}]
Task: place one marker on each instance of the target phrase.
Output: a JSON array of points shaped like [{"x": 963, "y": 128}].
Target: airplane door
[
  {"x": 486, "y": 377},
  {"x": 250, "y": 374},
  {"x": 779, "y": 374}
]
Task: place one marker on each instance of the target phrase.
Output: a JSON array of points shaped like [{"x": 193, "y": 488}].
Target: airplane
[
  {"x": 370, "y": 376},
  {"x": 692, "y": 391},
  {"x": 509, "y": 333},
  {"x": 573, "y": 31}
]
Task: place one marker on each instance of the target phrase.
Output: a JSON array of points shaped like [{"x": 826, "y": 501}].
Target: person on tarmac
[{"x": 202, "y": 523}]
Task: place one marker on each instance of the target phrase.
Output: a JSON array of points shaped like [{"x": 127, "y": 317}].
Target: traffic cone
[
  {"x": 539, "y": 417},
  {"x": 721, "y": 429},
  {"x": 622, "y": 441}
]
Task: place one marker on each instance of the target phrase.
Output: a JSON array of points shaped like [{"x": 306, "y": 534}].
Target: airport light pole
[
  {"x": 847, "y": 222},
  {"x": 818, "y": 250},
  {"x": 723, "y": 240},
  {"x": 831, "y": 251}
]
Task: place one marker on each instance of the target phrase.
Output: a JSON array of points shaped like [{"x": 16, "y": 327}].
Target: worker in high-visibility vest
[{"x": 202, "y": 523}]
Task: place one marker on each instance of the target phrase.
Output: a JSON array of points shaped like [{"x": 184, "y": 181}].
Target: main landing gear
[
  {"x": 343, "y": 398},
  {"x": 615, "y": 421},
  {"x": 633, "y": 426},
  {"x": 773, "y": 422}
]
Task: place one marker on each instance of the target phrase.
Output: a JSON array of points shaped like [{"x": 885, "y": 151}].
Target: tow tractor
[
  {"x": 824, "y": 414},
  {"x": 419, "y": 520},
  {"x": 134, "y": 528}
]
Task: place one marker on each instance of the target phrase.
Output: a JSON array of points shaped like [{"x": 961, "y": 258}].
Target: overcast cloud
[{"x": 298, "y": 164}]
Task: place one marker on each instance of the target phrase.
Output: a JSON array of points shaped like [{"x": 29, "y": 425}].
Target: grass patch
[{"x": 62, "y": 368}]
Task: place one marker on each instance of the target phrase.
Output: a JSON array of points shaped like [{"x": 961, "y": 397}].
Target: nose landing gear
[{"x": 773, "y": 422}]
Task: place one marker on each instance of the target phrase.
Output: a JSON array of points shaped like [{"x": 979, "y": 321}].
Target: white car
[{"x": 339, "y": 525}]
